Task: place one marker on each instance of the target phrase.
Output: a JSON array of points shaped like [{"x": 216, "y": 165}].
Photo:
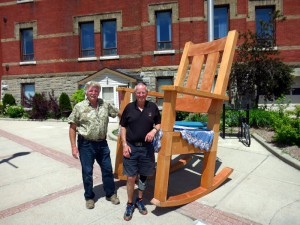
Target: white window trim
[
  {"x": 27, "y": 63},
  {"x": 164, "y": 52},
  {"x": 109, "y": 57},
  {"x": 23, "y": 1},
  {"x": 87, "y": 59}
]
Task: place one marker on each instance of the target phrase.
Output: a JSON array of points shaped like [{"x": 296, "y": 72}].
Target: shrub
[
  {"x": 261, "y": 118},
  {"x": 15, "y": 111},
  {"x": 39, "y": 106},
  {"x": 287, "y": 135},
  {"x": 8, "y": 99},
  {"x": 78, "y": 96},
  {"x": 65, "y": 104},
  {"x": 53, "y": 111},
  {"x": 197, "y": 117}
]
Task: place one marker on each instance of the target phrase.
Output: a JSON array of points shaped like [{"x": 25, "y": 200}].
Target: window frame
[
  {"x": 23, "y": 94},
  {"x": 111, "y": 51},
  {"x": 272, "y": 39},
  {"x": 90, "y": 51},
  {"x": 167, "y": 44},
  {"x": 158, "y": 99},
  {"x": 217, "y": 7},
  {"x": 23, "y": 41}
]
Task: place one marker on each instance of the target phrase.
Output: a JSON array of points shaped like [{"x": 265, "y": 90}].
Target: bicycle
[{"x": 245, "y": 132}]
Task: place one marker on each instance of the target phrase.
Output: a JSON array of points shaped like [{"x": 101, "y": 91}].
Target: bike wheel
[{"x": 247, "y": 135}]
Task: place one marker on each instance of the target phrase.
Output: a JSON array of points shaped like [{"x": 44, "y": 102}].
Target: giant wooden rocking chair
[{"x": 192, "y": 91}]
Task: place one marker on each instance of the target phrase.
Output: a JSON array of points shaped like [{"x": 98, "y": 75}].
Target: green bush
[
  {"x": 64, "y": 104},
  {"x": 287, "y": 135},
  {"x": 8, "y": 99},
  {"x": 15, "y": 111},
  {"x": 197, "y": 117},
  {"x": 78, "y": 96},
  {"x": 261, "y": 118}
]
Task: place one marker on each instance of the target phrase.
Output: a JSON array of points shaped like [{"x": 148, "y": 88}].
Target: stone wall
[{"x": 43, "y": 83}]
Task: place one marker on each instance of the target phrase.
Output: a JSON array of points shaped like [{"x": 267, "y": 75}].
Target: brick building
[{"x": 61, "y": 44}]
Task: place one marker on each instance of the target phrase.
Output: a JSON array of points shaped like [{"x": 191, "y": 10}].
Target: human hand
[
  {"x": 126, "y": 151},
  {"x": 75, "y": 152},
  {"x": 150, "y": 136}
]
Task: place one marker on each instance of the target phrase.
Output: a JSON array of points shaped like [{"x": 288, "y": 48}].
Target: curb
[{"x": 277, "y": 152}]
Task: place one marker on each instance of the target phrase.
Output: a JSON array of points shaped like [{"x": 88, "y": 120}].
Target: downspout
[{"x": 210, "y": 19}]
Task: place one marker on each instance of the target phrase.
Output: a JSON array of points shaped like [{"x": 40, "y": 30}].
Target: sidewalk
[{"x": 40, "y": 183}]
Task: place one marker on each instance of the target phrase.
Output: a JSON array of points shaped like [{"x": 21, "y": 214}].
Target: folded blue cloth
[{"x": 200, "y": 138}]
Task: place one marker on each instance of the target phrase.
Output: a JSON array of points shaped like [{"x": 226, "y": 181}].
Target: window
[
  {"x": 160, "y": 82},
  {"x": 27, "y": 52},
  {"x": 220, "y": 22},
  {"x": 164, "y": 30},
  {"x": 295, "y": 91},
  {"x": 87, "y": 45},
  {"x": 109, "y": 37},
  {"x": 265, "y": 27},
  {"x": 27, "y": 91}
]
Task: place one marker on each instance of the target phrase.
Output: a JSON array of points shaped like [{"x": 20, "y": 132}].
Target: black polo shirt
[{"x": 139, "y": 123}]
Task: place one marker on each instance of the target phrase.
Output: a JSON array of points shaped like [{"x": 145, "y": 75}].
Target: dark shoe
[
  {"x": 140, "y": 205},
  {"x": 90, "y": 203},
  {"x": 129, "y": 211},
  {"x": 114, "y": 199}
]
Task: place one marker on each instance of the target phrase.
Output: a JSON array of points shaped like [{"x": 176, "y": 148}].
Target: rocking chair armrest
[
  {"x": 150, "y": 93},
  {"x": 189, "y": 91}
]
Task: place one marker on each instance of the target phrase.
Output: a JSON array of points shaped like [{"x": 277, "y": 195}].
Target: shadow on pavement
[{"x": 18, "y": 154}]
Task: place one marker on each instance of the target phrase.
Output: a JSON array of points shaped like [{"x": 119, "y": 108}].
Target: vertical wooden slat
[
  {"x": 225, "y": 67},
  {"x": 210, "y": 71},
  {"x": 184, "y": 63}
]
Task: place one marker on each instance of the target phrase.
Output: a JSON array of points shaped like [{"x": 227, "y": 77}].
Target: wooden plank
[
  {"x": 225, "y": 67},
  {"x": 210, "y": 71},
  {"x": 198, "y": 93},
  {"x": 184, "y": 62},
  {"x": 207, "y": 47}
]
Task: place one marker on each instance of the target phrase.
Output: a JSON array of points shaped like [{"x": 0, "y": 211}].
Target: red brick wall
[{"x": 55, "y": 17}]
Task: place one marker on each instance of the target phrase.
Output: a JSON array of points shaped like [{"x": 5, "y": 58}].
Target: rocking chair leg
[
  {"x": 162, "y": 178},
  {"x": 208, "y": 169}
]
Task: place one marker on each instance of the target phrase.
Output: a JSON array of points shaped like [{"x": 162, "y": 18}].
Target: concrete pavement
[{"x": 40, "y": 183}]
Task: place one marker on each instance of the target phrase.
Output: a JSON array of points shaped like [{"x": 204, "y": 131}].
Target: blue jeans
[{"x": 88, "y": 152}]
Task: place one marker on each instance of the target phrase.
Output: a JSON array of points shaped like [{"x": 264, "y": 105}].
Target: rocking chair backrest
[{"x": 198, "y": 69}]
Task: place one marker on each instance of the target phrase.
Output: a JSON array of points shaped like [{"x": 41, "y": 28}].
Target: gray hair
[
  {"x": 140, "y": 84},
  {"x": 92, "y": 84}
]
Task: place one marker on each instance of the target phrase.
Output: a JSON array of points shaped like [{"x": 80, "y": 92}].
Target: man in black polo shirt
[{"x": 139, "y": 123}]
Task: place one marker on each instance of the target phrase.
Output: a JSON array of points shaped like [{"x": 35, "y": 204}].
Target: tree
[{"x": 258, "y": 69}]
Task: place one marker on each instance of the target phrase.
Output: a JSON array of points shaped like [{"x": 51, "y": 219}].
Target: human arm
[
  {"x": 150, "y": 135},
  {"x": 72, "y": 136},
  {"x": 126, "y": 148}
]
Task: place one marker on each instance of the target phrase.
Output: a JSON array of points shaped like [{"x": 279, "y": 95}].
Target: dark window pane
[
  {"x": 160, "y": 82},
  {"x": 87, "y": 39},
  {"x": 164, "y": 30},
  {"x": 296, "y": 91},
  {"x": 27, "y": 53},
  {"x": 220, "y": 22},
  {"x": 109, "y": 37}
]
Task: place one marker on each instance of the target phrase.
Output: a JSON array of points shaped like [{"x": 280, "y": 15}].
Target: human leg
[
  {"x": 139, "y": 201},
  {"x": 104, "y": 161},
  {"x": 87, "y": 158}
]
